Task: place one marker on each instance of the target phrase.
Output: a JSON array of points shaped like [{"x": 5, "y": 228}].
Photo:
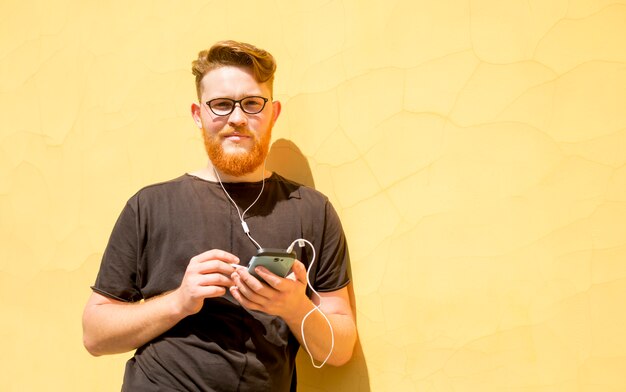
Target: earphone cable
[{"x": 242, "y": 215}]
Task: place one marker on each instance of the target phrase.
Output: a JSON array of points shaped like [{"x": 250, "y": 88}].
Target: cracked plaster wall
[{"x": 475, "y": 151}]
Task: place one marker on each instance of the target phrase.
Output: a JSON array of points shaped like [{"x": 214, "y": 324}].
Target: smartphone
[{"x": 278, "y": 261}]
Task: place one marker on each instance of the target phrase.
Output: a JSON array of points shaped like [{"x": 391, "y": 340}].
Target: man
[{"x": 169, "y": 285}]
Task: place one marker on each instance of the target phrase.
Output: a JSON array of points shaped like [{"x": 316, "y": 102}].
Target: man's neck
[{"x": 209, "y": 173}]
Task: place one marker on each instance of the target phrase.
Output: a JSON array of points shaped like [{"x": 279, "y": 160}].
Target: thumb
[{"x": 299, "y": 270}]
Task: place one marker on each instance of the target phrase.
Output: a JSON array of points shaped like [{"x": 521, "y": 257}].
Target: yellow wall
[{"x": 475, "y": 151}]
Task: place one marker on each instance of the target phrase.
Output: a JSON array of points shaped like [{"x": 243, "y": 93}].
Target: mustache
[{"x": 242, "y": 132}]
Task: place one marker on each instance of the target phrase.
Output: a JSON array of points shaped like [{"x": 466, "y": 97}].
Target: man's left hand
[{"x": 280, "y": 296}]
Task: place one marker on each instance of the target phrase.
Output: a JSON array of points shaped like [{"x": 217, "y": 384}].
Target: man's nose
[{"x": 237, "y": 117}]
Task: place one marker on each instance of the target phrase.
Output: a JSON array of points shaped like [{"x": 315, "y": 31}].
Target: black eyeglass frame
[{"x": 235, "y": 102}]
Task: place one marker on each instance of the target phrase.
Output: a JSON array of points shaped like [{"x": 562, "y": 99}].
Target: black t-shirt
[{"x": 224, "y": 347}]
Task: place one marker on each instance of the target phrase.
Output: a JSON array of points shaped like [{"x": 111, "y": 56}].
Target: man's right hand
[
  {"x": 113, "y": 326},
  {"x": 207, "y": 276}
]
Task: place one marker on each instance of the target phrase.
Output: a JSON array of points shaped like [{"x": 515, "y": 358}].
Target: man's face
[{"x": 237, "y": 143}]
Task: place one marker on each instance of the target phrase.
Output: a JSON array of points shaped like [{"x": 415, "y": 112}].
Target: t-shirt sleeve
[
  {"x": 117, "y": 277},
  {"x": 333, "y": 270}
]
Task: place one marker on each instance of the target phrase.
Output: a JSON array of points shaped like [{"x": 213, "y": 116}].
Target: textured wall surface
[{"x": 475, "y": 151}]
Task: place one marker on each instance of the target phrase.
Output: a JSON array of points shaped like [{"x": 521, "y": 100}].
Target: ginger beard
[{"x": 237, "y": 163}]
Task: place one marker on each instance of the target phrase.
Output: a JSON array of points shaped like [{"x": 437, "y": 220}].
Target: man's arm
[
  {"x": 336, "y": 307},
  {"x": 287, "y": 298},
  {"x": 112, "y": 326}
]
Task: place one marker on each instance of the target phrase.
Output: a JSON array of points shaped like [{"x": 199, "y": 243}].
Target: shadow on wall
[{"x": 286, "y": 159}]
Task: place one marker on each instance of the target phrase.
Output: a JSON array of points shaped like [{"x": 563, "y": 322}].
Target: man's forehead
[{"x": 231, "y": 80}]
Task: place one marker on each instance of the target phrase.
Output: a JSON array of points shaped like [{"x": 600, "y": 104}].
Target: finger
[
  {"x": 234, "y": 291},
  {"x": 270, "y": 278},
  {"x": 299, "y": 271},
  {"x": 249, "y": 280},
  {"x": 249, "y": 286},
  {"x": 212, "y": 291},
  {"x": 213, "y": 266},
  {"x": 215, "y": 279},
  {"x": 216, "y": 254}
]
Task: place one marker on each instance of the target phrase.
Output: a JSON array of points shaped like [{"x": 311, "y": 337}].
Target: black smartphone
[{"x": 278, "y": 261}]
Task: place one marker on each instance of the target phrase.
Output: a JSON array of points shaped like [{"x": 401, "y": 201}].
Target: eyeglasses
[{"x": 225, "y": 106}]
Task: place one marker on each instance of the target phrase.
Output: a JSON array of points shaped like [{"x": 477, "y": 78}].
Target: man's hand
[
  {"x": 286, "y": 297},
  {"x": 208, "y": 275},
  {"x": 112, "y": 326},
  {"x": 279, "y": 297}
]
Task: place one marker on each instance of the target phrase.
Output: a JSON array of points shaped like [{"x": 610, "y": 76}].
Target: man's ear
[
  {"x": 195, "y": 113},
  {"x": 276, "y": 111}
]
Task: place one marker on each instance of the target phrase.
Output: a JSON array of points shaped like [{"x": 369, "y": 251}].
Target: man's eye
[
  {"x": 252, "y": 105},
  {"x": 222, "y": 105}
]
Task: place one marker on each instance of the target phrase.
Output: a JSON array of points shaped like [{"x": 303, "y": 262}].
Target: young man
[{"x": 169, "y": 284}]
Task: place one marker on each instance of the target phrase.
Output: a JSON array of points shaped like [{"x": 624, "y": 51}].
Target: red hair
[{"x": 238, "y": 54}]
